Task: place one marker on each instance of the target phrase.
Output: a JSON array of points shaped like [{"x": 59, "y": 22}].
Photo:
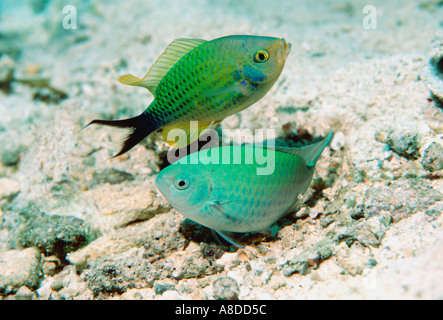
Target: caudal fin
[
  {"x": 310, "y": 153},
  {"x": 140, "y": 126}
]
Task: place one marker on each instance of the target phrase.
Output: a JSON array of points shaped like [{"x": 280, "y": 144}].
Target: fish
[
  {"x": 204, "y": 81},
  {"x": 222, "y": 189}
]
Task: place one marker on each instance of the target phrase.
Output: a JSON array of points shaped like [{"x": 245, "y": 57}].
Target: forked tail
[
  {"x": 312, "y": 152},
  {"x": 309, "y": 153},
  {"x": 140, "y": 125}
]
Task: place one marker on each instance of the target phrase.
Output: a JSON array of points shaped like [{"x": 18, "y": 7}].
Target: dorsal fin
[
  {"x": 174, "y": 52},
  {"x": 309, "y": 153}
]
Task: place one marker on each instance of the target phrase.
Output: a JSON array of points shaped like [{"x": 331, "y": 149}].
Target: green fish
[
  {"x": 204, "y": 81},
  {"x": 229, "y": 190}
]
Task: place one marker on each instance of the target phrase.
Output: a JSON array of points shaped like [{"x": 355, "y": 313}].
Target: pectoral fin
[
  {"x": 231, "y": 237},
  {"x": 224, "y": 210},
  {"x": 239, "y": 88}
]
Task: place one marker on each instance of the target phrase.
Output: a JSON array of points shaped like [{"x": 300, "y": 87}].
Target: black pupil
[
  {"x": 181, "y": 183},
  {"x": 261, "y": 56}
]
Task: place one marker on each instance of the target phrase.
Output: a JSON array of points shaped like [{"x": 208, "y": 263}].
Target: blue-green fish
[
  {"x": 229, "y": 190},
  {"x": 204, "y": 81}
]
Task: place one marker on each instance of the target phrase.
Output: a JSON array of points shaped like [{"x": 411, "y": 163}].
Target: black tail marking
[{"x": 140, "y": 126}]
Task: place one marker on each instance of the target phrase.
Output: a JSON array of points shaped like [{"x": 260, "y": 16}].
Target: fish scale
[
  {"x": 204, "y": 81},
  {"x": 186, "y": 71}
]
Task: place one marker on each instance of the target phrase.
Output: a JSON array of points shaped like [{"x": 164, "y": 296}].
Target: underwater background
[{"x": 75, "y": 224}]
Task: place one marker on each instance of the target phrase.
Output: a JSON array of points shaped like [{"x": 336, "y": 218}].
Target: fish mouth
[
  {"x": 163, "y": 182},
  {"x": 286, "y": 47},
  {"x": 283, "y": 50},
  {"x": 281, "y": 47},
  {"x": 161, "y": 185}
]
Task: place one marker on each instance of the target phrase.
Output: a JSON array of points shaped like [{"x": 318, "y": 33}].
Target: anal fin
[
  {"x": 190, "y": 131},
  {"x": 230, "y": 237}
]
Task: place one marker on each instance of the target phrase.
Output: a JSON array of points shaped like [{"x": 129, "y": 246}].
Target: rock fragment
[
  {"x": 402, "y": 139},
  {"x": 9, "y": 189},
  {"x": 10, "y": 157},
  {"x": 309, "y": 259},
  {"x": 226, "y": 288},
  {"x": 52, "y": 234},
  {"x": 432, "y": 159},
  {"x": 112, "y": 176},
  {"x": 20, "y": 268}
]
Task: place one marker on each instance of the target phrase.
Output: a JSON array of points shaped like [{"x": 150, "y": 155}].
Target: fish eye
[
  {"x": 181, "y": 183},
  {"x": 261, "y": 56}
]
